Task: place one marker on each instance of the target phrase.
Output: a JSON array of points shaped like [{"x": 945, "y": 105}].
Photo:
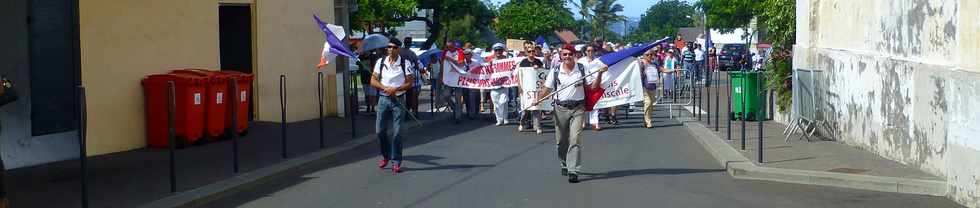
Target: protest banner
[
  {"x": 497, "y": 74},
  {"x": 531, "y": 81},
  {"x": 622, "y": 84}
]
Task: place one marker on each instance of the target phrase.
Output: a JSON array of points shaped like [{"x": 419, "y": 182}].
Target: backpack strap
[{"x": 385, "y": 60}]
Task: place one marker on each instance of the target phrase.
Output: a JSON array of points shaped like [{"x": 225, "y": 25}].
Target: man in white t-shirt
[
  {"x": 570, "y": 81},
  {"x": 392, "y": 76},
  {"x": 699, "y": 62}
]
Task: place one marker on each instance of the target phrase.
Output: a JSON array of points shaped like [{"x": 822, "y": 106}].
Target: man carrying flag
[
  {"x": 570, "y": 81},
  {"x": 392, "y": 75}
]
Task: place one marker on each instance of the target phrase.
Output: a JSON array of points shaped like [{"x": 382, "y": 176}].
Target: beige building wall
[
  {"x": 899, "y": 79},
  {"x": 124, "y": 40},
  {"x": 289, "y": 43}
]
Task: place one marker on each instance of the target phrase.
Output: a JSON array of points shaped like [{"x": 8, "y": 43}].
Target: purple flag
[
  {"x": 336, "y": 47},
  {"x": 613, "y": 58}
]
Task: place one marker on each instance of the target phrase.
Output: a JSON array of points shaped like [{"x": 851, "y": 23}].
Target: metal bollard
[
  {"x": 319, "y": 98},
  {"x": 351, "y": 107},
  {"x": 233, "y": 132},
  {"x": 771, "y": 102},
  {"x": 717, "y": 105},
  {"x": 697, "y": 97},
  {"x": 744, "y": 114},
  {"x": 171, "y": 133},
  {"x": 282, "y": 106},
  {"x": 82, "y": 156},
  {"x": 729, "y": 73},
  {"x": 707, "y": 92},
  {"x": 759, "y": 116}
]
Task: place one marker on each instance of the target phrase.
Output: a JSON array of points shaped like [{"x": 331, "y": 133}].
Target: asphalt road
[{"x": 476, "y": 164}]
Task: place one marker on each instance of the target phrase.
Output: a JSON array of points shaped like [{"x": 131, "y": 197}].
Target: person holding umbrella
[{"x": 392, "y": 76}]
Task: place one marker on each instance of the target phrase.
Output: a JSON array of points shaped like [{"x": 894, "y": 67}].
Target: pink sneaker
[
  {"x": 382, "y": 163},
  {"x": 397, "y": 168}
]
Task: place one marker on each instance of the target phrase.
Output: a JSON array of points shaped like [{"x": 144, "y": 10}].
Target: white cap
[
  {"x": 478, "y": 51},
  {"x": 499, "y": 45},
  {"x": 579, "y": 47}
]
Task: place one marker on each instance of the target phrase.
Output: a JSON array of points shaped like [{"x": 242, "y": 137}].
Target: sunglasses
[
  {"x": 566, "y": 54},
  {"x": 393, "y": 47}
]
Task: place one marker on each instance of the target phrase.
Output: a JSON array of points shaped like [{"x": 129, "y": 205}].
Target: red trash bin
[
  {"x": 215, "y": 105},
  {"x": 242, "y": 97},
  {"x": 189, "y": 109}
]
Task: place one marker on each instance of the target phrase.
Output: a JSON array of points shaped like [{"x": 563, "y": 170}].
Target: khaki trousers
[{"x": 568, "y": 131}]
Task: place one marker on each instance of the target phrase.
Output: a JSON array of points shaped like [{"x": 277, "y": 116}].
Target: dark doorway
[
  {"x": 54, "y": 65},
  {"x": 235, "y": 33}
]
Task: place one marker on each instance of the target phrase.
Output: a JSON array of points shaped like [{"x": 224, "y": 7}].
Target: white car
[{"x": 416, "y": 45}]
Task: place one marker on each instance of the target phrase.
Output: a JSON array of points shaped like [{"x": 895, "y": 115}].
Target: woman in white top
[{"x": 588, "y": 60}]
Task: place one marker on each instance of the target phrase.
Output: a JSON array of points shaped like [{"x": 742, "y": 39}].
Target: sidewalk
[
  {"x": 817, "y": 162},
  {"x": 137, "y": 177}
]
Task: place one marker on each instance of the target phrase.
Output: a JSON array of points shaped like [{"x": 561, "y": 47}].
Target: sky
[{"x": 633, "y": 8}]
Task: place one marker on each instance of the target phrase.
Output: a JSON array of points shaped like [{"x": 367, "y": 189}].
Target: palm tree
[
  {"x": 585, "y": 9},
  {"x": 604, "y": 11}
]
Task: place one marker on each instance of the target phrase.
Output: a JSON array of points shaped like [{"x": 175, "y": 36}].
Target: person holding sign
[
  {"x": 651, "y": 72},
  {"x": 529, "y": 66},
  {"x": 569, "y": 80},
  {"x": 499, "y": 96},
  {"x": 589, "y": 61}
]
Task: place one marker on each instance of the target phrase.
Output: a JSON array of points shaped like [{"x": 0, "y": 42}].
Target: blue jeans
[
  {"x": 389, "y": 111},
  {"x": 689, "y": 70}
]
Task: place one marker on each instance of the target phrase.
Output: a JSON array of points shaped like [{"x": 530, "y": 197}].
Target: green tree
[
  {"x": 780, "y": 22},
  {"x": 530, "y": 19},
  {"x": 379, "y": 16},
  {"x": 605, "y": 12},
  {"x": 778, "y": 18},
  {"x": 728, "y": 15},
  {"x": 662, "y": 20},
  {"x": 462, "y": 30},
  {"x": 584, "y": 10},
  {"x": 446, "y": 12}
]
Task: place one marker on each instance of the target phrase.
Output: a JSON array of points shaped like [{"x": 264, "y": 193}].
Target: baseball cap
[{"x": 498, "y": 46}]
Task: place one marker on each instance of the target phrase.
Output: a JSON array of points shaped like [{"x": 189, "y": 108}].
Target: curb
[
  {"x": 244, "y": 181},
  {"x": 740, "y": 167}
]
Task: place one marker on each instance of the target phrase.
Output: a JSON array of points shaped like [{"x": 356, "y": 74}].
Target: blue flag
[
  {"x": 613, "y": 58},
  {"x": 336, "y": 47}
]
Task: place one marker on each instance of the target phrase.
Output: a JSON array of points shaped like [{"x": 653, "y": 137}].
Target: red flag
[{"x": 592, "y": 95}]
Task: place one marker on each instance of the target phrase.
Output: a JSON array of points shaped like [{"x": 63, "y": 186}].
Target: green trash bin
[{"x": 746, "y": 85}]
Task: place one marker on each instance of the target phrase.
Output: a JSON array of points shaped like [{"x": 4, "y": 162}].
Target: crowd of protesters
[{"x": 392, "y": 77}]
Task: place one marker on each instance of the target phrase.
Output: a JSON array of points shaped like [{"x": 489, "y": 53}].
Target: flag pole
[{"x": 560, "y": 89}]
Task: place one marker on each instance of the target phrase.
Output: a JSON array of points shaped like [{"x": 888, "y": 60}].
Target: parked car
[
  {"x": 416, "y": 45},
  {"x": 731, "y": 55}
]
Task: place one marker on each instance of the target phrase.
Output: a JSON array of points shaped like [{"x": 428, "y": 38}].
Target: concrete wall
[
  {"x": 897, "y": 79},
  {"x": 122, "y": 42},
  {"x": 289, "y": 43}
]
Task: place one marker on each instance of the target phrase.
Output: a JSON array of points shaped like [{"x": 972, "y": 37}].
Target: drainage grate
[{"x": 848, "y": 170}]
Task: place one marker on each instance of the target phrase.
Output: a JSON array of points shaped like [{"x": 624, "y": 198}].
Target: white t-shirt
[
  {"x": 698, "y": 55},
  {"x": 573, "y": 77},
  {"x": 650, "y": 71},
  {"x": 589, "y": 64},
  {"x": 392, "y": 76}
]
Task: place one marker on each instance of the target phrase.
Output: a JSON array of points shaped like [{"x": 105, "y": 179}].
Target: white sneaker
[
  {"x": 520, "y": 128},
  {"x": 506, "y": 122},
  {"x": 498, "y": 123},
  {"x": 539, "y": 131}
]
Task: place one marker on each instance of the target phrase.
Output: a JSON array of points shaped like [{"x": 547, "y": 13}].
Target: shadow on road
[
  {"x": 429, "y": 161},
  {"x": 653, "y": 171}
]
